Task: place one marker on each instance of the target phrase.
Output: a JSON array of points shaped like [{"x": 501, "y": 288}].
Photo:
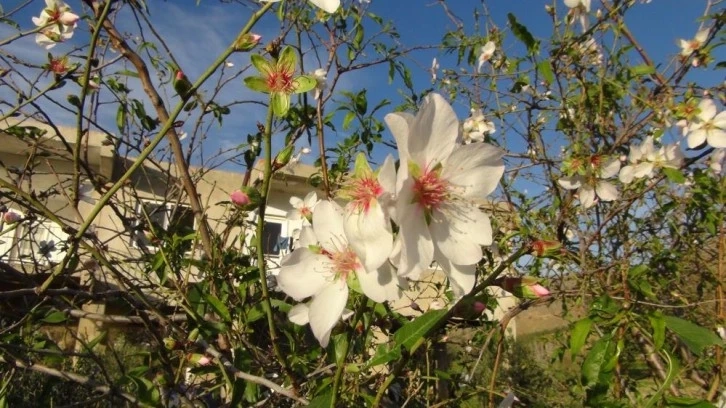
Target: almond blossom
[
  {"x": 367, "y": 222},
  {"x": 709, "y": 126},
  {"x": 593, "y": 185},
  {"x": 579, "y": 8},
  {"x": 329, "y": 6},
  {"x": 688, "y": 47},
  {"x": 487, "y": 51},
  {"x": 302, "y": 209},
  {"x": 644, "y": 159},
  {"x": 476, "y": 127},
  {"x": 440, "y": 185},
  {"x": 320, "y": 269},
  {"x": 57, "y": 23}
]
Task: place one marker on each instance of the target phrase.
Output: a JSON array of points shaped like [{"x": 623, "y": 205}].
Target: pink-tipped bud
[
  {"x": 246, "y": 198},
  {"x": 68, "y": 18},
  {"x": 545, "y": 248},
  {"x": 179, "y": 75},
  {"x": 239, "y": 198},
  {"x": 199, "y": 359},
  {"x": 11, "y": 217},
  {"x": 479, "y": 307},
  {"x": 526, "y": 287},
  {"x": 539, "y": 290},
  {"x": 247, "y": 42}
]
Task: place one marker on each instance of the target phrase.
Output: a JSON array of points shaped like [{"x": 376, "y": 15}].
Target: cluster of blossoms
[
  {"x": 433, "y": 198},
  {"x": 476, "y": 127},
  {"x": 56, "y": 23},
  {"x": 590, "y": 179},
  {"x": 644, "y": 159}
]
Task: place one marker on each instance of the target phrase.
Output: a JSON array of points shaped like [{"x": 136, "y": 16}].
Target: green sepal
[
  {"x": 287, "y": 60},
  {"x": 414, "y": 170},
  {"x": 257, "y": 84},
  {"x": 354, "y": 283},
  {"x": 316, "y": 249},
  {"x": 262, "y": 65},
  {"x": 280, "y": 103},
  {"x": 361, "y": 169},
  {"x": 305, "y": 83}
]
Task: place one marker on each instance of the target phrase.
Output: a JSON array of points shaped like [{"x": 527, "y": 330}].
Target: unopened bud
[
  {"x": 546, "y": 248},
  {"x": 283, "y": 157},
  {"x": 247, "y": 42},
  {"x": 526, "y": 287},
  {"x": 169, "y": 343},
  {"x": 11, "y": 217},
  {"x": 199, "y": 359},
  {"x": 247, "y": 198}
]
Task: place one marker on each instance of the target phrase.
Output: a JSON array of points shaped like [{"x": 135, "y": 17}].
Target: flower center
[
  {"x": 345, "y": 262},
  {"x": 57, "y": 66},
  {"x": 430, "y": 190},
  {"x": 281, "y": 82},
  {"x": 364, "y": 190}
]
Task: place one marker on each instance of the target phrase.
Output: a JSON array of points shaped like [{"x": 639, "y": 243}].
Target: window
[
  {"x": 168, "y": 218},
  {"x": 33, "y": 241},
  {"x": 271, "y": 238}
]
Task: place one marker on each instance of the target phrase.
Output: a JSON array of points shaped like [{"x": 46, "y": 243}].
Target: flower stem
[{"x": 261, "y": 263}]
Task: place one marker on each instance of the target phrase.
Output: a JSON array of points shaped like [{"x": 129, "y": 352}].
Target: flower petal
[
  {"x": 326, "y": 308},
  {"x": 454, "y": 233},
  {"x": 369, "y": 234},
  {"x": 477, "y": 168},
  {"x": 416, "y": 248},
  {"x": 610, "y": 169},
  {"x": 381, "y": 285},
  {"x": 328, "y": 226},
  {"x": 716, "y": 138},
  {"x": 400, "y": 124},
  {"x": 570, "y": 183},
  {"x": 696, "y": 138},
  {"x": 303, "y": 273},
  {"x": 299, "y": 314},
  {"x": 587, "y": 196},
  {"x": 434, "y": 131},
  {"x": 606, "y": 191},
  {"x": 329, "y": 6},
  {"x": 461, "y": 278}
]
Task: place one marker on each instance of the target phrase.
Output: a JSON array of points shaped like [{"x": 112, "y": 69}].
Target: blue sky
[{"x": 197, "y": 33}]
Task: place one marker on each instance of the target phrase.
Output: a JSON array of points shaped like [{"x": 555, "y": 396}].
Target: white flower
[
  {"x": 688, "y": 47},
  {"x": 579, "y": 8},
  {"x": 709, "y": 126},
  {"x": 367, "y": 220},
  {"x": 644, "y": 159},
  {"x": 228, "y": 64},
  {"x": 439, "y": 186},
  {"x": 321, "y": 77},
  {"x": 487, "y": 51},
  {"x": 476, "y": 127},
  {"x": 320, "y": 268},
  {"x": 434, "y": 69},
  {"x": 329, "y": 6},
  {"x": 594, "y": 186},
  {"x": 716, "y": 161},
  {"x": 57, "y": 23},
  {"x": 302, "y": 209}
]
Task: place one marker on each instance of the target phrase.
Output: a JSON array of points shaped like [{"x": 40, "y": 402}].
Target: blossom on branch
[
  {"x": 688, "y": 47},
  {"x": 322, "y": 267},
  {"x": 709, "y": 126},
  {"x": 590, "y": 180},
  {"x": 476, "y": 127},
  {"x": 644, "y": 159},
  {"x": 57, "y": 23},
  {"x": 440, "y": 186},
  {"x": 329, "y": 6},
  {"x": 303, "y": 209},
  {"x": 487, "y": 51}
]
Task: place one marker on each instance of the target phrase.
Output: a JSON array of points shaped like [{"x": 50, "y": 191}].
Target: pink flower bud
[
  {"x": 199, "y": 359},
  {"x": 68, "y": 18},
  {"x": 539, "y": 290},
  {"x": 239, "y": 198},
  {"x": 179, "y": 75},
  {"x": 11, "y": 217},
  {"x": 479, "y": 307}
]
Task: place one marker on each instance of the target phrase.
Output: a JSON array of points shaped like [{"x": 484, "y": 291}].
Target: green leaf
[
  {"x": 322, "y": 401},
  {"x": 348, "y": 118},
  {"x": 523, "y": 34},
  {"x": 55, "y": 316},
  {"x": 280, "y": 103},
  {"x": 595, "y": 367},
  {"x": 674, "y": 175},
  {"x": 413, "y": 331},
  {"x": 340, "y": 344},
  {"x": 545, "y": 69},
  {"x": 683, "y": 402},
  {"x": 361, "y": 103},
  {"x": 697, "y": 338},
  {"x": 640, "y": 70},
  {"x": 121, "y": 117},
  {"x": 304, "y": 83},
  {"x": 579, "y": 335},
  {"x": 673, "y": 369},
  {"x": 257, "y": 84},
  {"x": 659, "y": 325},
  {"x": 385, "y": 353},
  {"x": 218, "y": 307}
]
